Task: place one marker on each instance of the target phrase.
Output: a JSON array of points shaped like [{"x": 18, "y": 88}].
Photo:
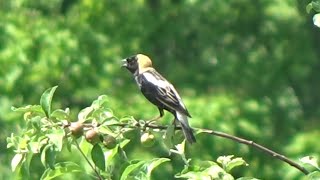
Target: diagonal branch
[{"x": 233, "y": 138}]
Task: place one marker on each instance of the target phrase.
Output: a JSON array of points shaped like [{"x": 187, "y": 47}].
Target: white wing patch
[
  {"x": 165, "y": 85},
  {"x": 158, "y": 82}
]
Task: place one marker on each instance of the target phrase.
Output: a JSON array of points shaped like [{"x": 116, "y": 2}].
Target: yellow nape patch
[{"x": 144, "y": 61}]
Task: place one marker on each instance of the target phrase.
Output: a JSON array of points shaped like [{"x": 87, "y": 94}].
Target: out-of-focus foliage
[{"x": 249, "y": 68}]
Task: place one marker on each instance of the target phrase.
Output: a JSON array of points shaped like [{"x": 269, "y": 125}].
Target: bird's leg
[{"x": 156, "y": 118}]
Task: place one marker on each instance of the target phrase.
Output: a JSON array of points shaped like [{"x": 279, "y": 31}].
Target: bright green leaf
[
  {"x": 100, "y": 102},
  {"x": 310, "y": 161},
  {"x": 130, "y": 169},
  {"x": 28, "y": 108},
  {"x": 234, "y": 163},
  {"x": 61, "y": 169},
  {"x": 247, "y": 178},
  {"x": 314, "y": 175},
  {"x": 98, "y": 156},
  {"x": 60, "y": 114},
  {"x": 56, "y": 138},
  {"x": 84, "y": 113},
  {"x": 153, "y": 164},
  {"x": 45, "y": 100},
  {"x": 309, "y": 7},
  {"x": 16, "y": 161}
]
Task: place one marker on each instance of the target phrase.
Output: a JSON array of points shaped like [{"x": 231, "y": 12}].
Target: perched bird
[{"x": 159, "y": 91}]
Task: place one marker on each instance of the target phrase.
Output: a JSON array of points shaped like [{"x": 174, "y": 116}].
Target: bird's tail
[{"x": 186, "y": 129}]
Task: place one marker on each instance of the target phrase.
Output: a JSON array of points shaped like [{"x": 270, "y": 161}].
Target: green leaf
[
  {"x": 314, "y": 175},
  {"x": 100, "y": 102},
  {"x": 16, "y": 161},
  {"x": 310, "y": 161},
  {"x": 234, "y": 163},
  {"x": 84, "y": 113},
  {"x": 129, "y": 169},
  {"x": 48, "y": 156},
  {"x": 61, "y": 169},
  {"x": 153, "y": 164},
  {"x": 60, "y": 114},
  {"x": 316, "y": 5},
  {"x": 309, "y": 7},
  {"x": 45, "y": 100},
  {"x": 247, "y": 178},
  {"x": 28, "y": 108},
  {"x": 169, "y": 136},
  {"x": 56, "y": 138},
  {"x": 98, "y": 157}
]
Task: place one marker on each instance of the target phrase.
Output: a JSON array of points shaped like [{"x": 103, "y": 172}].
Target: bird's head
[{"x": 137, "y": 63}]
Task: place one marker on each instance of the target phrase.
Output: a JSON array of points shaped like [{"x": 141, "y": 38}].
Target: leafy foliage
[
  {"x": 56, "y": 134},
  {"x": 246, "y": 68}
]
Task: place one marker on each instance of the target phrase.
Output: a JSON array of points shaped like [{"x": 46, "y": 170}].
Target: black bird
[{"x": 159, "y": 91}]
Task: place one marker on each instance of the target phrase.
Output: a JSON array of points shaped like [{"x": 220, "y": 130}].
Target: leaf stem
[{"x": 85, "y": 157}]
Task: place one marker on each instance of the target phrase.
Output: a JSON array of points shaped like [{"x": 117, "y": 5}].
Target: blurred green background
[{"x": 248, "y": 68}]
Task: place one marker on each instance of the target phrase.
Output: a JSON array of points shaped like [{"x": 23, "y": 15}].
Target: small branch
[
  {"x": 85, "y": 157},
  {"x": 259, "y": 147},
  {"x": 231, "y": 137}
]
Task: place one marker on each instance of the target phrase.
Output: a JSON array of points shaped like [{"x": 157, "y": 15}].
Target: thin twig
[
  {"x": 259, "y": 147},
  {"x": 231, "y": 137},
  {"x": 85, "y": 157}
]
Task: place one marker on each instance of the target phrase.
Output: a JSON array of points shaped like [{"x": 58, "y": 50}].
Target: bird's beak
[{"x": 125, "y": 63}]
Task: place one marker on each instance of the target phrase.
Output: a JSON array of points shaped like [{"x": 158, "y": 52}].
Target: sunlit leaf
[
  {"x": 45, "y": 100},
  {"x": 56, "y": 138},
  {"x": 16, "y": 161},
  {"x": 234, "y": 163},
  {"x": 129, "y": 169},
  {"x": 314, "y": 175},
  {"x": 84, "y": 113},
  {"x": 28, "y": 108},
  {"x": 154, "y": 163},
  {"x": 60, "y": 114},
  {"x": 310, "y": 161}
]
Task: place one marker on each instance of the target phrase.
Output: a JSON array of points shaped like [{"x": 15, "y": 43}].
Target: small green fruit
[{"x": 109, "y": 142}]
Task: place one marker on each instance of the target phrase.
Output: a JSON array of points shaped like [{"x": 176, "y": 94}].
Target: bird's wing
[{"x": 165, "y": 92}]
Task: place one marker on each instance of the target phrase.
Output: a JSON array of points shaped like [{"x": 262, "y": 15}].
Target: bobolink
[{"x": 159, "y": 91}]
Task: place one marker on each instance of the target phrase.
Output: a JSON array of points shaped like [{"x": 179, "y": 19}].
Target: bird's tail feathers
[{"x": 186, "y": 129}]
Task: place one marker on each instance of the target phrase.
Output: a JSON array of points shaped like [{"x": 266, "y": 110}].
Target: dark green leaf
[
  {"x": 316, "y": 5},
  {"x": 98, "y": 157},
  {"x": 48, "y": 156},
  {"x": 45, "y": 100}
]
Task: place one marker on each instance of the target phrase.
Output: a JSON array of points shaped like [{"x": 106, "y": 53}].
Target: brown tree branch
[{"x": 233, "y": 138}]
